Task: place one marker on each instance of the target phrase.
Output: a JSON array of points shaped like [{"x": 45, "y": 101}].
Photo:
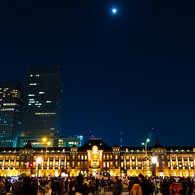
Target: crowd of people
[
  {"x": 169, "y": 186},
  {"x": 77, "y": 186}
]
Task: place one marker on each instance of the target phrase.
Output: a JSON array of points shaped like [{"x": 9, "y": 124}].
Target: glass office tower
[
  {"x": 11, "y": 104},
  {"x": 43, "y": 101}
]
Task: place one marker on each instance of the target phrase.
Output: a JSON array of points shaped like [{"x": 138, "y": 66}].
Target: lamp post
[
  {"x": 38, "y": 162},
  {"x": 46, "y": 142},
  {"x": 154, "y": 161},
  {"x": 145, "y": 144}
]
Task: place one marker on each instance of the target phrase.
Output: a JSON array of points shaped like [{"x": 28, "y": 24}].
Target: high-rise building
[
  {"x": 42, "y": 101},
  {"x": 11, "y": 104}
]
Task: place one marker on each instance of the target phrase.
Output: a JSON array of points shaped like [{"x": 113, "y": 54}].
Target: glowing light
[
  {"x": 95, "y": 149},
  {"x": 44, "y": 139},
  {"x": 154, "y": 159},
  {"x": 38, "y": 160},
  {"x": 114, "y": 10}
]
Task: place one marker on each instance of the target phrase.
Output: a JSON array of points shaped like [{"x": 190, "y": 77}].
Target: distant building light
[
  {"x": 31, "y": 75},
  {"x": 31, "y": 94},
  {"x": 37, "y": 75},
  {"x": 49, "y": 113},
  {"x": 32, "y": 83},
  {"x": 48, "y": 101},
  {"x": 41, "y": 92}
]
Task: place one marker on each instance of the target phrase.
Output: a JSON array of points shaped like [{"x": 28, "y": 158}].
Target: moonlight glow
[{"x": 114, "y": 11}]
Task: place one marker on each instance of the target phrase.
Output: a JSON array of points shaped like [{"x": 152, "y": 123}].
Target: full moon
[{"x": 114, "y": 11}]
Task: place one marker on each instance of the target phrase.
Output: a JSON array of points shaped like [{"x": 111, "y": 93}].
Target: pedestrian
[
  {"x": 175, "y": 188},
  {"x": 16, "y": 185},
  {"x": 71, "y": 186},
  {"x": 144, "y": 185},
  {"x": 55, "y": 186},
  {"x": 109, "y": 184},
  {"x": 66, "y": 185},
  {"x": 117, "y": 189},
  {"x": 131, "y": 183},
  {"x": 190, "y": 185},
  {"x": 92, "y": 184},
  {"x": 136, "y": 188},
  {"x": 185, "y": 189},
  {"x": 25, "y": 188},
  {"x": 164, "y": 187},
  {"x": 2, "y": 186}
]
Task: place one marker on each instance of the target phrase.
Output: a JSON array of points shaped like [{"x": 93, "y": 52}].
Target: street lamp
[
  {"x": 145, "y": 144},
  {"x": 38, "y": 162},
  {"x": 154, "y": 161},
  {"x": 46, "y": 143}
]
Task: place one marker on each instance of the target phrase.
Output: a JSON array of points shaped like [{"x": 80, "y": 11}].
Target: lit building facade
[
  {"x": 11, "y": 105},
  {"x": 43, "y": 101},
  {"x": 96, "y": 157}
]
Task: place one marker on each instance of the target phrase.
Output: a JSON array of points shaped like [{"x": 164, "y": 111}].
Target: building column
[
  {"x": 188, "y": 157},
  {"x": 59, "y": 163},
  {"x": 182, "y": 161},
  {"x": 53, "y": 162},
  {"x": 176, "y": 158},
  {"x": 130, "y": 159},
  {"x": 125, "y": 164},
  {"x": 3, "y": 161},
  {"x": 9, "y": 161},
  {"x": 136, "y": 161},
  {"x": 48, "y": 161},
  {"x": 171, "y": 161},
  {"x": 14, "y": 161}
]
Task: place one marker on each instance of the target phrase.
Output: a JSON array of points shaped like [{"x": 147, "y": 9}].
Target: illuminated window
[
  {"x": 110, "y": 157},
  {"x": 126, "y": 149},
  {"x": 32, "y": 83},
  {"x": 121, "y": 157},
  {"x": 9, "y": 104},
  {"x": 107, "y": 157},
  {"x": 37, "y": 75},
  {"x": 82, "y": 157},
  {"x": 163, "y": 164},
  {"x": 78, "y": 157},
  {"x": 157, "y": 164},
  {"x": 30, "y": 75},
  {"x": 31, "y": 94},
  {"x": 107, "y": 164},
  {"x": 41, "y": 92},
  {"x": 116, "y": 157},
  {"x": 104, "y": 164},
  {"x": 85, "y": 157},
  {"x": 116, "y": 164},
  {"x": 121, "y": 164},
  {"x": 79, "y": 164},
  {"x": 68, "y": 164},
  {"x": 73, "y": 164},
  {"x": 48, "y": 102},
  {"x": 50, "y": 113},
  {"x": 73, "y": 157}
]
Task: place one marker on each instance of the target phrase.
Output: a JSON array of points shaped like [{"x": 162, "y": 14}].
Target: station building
[{"x": 95, "y": 157}]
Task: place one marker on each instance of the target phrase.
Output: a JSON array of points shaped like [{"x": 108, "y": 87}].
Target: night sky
[{"x": 133, "y": 70}]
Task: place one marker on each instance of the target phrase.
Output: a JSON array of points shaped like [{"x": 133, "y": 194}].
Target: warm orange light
[{"x": 44, "y": 139}]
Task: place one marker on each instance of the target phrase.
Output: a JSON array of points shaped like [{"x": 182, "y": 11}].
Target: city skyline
[{"x": 131, "y": 70}]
